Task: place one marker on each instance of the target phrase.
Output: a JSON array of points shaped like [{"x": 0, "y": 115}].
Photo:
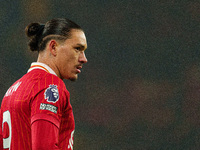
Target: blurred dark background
[{"x": 141, "y": 87}]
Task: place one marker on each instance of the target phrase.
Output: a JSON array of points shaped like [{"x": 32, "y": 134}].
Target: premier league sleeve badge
[{"x": 51, "y": 94}]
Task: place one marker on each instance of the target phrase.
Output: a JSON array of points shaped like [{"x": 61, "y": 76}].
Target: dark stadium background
[{"x": 141, "y": 87}]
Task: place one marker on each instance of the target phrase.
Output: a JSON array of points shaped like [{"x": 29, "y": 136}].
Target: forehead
[{"x": 77, "y": 37}]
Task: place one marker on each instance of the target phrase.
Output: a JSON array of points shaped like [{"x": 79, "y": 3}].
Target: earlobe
[{"x": 53, "y": 47}]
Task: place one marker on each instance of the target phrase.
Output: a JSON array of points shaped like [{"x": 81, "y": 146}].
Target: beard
[{"x": 73, "y": 79}]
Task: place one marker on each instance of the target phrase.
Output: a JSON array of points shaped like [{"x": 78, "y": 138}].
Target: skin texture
[{"x": 67, "y": 57}]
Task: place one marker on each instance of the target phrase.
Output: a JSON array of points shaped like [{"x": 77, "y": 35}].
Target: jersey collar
[{"x": 38, "y": 65}]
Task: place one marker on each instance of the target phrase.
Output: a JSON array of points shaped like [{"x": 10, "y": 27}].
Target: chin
[{"x": 73, "y": 78}]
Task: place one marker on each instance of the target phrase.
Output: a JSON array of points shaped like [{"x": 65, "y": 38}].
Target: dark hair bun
[
  {"x": 33, "y": 29},
  {"x": 34, "y": 32}
]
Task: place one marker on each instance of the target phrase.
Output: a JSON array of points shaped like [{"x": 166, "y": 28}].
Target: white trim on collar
[{"x": 38, "y": 65}]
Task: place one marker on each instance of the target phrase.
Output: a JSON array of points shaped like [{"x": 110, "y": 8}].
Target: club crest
[{"x": 51, "y": 94}]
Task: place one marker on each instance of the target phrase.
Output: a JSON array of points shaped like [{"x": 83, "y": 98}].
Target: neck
[{"x": 49, "y": 63}]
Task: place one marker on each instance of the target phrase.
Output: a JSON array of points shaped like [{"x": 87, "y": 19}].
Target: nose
[{"x": 83, "y": 58}]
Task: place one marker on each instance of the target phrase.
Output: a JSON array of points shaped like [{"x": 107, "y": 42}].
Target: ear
[{"x": 53, "y": 47}]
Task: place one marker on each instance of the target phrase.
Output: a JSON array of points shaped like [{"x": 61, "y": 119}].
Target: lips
[{"x": 78, "y": 69}]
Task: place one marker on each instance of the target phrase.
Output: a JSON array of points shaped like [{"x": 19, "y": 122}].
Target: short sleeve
[{"x": 49, "y": 100}]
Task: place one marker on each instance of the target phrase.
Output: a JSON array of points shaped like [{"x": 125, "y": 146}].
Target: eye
[{"x": 78, "y": 48}]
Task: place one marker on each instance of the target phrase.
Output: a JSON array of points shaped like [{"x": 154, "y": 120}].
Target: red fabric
[
  {"x": 45, "y": 117},
  {"x": 26, "y": 103},
  {"x": 44, "y": 135},
  {"x": 1, "y": 142}
]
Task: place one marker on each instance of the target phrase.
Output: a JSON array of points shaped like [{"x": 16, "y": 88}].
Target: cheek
[
  {"x": 67, "y": 59},
  {"x": 68, "y": 62},
  {"x": 72, "y": 58},
  {"x": 63, "y": 57}
]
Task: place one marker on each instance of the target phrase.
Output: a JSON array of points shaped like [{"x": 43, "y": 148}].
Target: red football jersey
[{"x": 38, "y": 95}]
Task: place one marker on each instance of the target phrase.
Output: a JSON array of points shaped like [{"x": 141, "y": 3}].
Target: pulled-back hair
[{"x": 40, "y": 34}]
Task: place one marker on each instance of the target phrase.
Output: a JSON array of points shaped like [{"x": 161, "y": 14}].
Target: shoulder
[
  {"x": 53, "y": 85},
  {"x": 44, "y": 78},
  {"x": 51, "y": 79},
  {"x": 50, "y": 91},
  {"x": 46, "y": 82}
]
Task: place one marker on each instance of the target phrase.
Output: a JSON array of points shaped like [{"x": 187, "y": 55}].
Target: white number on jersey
[{"x": 7, "y": 119}]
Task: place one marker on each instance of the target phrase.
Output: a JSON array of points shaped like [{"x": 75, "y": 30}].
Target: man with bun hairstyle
[{"x": 36, "y": 113}]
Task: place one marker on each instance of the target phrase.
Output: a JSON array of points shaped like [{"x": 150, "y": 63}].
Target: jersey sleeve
[
  {"x": 49, "y": 100},
  {"x": 44, "y": 135}
]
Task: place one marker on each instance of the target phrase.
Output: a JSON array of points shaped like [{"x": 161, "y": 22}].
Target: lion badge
[{"x": 51, "y": 94}]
